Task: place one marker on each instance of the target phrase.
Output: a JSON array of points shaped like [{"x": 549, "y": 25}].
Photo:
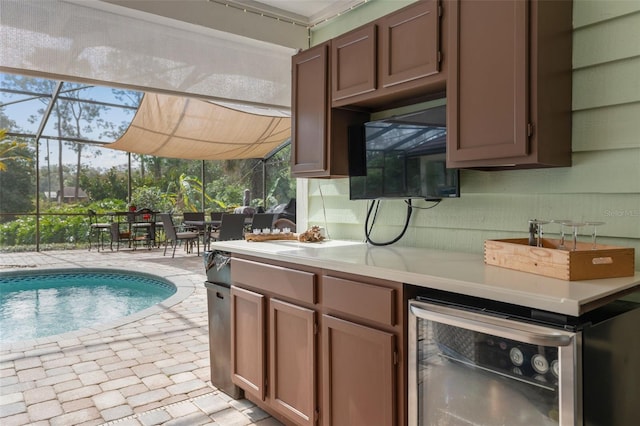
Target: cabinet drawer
[
  {"x": 297, "y": 285},
  {"x": 363, "y": 300}
]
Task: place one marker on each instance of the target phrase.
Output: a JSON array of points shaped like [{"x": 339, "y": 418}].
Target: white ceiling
[
  {"x": 309, "y": 12},
  {"x": 265, "y": 20}
]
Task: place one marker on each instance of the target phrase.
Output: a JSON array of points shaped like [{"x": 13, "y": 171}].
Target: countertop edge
[{"x": 491, "y": 284}]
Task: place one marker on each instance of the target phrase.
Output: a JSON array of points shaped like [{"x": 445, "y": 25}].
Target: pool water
[{"x": 47, "y": 303}]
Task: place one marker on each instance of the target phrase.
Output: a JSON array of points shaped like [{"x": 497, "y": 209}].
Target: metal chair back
[
  {"x": 262, "y": 220},
  {"x": 231, "y": 227},
  {"x": 175, "y": 236}
]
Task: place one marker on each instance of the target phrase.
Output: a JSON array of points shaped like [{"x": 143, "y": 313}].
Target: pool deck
[{"x": 149, "y": 368}]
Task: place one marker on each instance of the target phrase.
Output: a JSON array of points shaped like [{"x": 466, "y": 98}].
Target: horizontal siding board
[
  {"x": 612, "y": 83},
  {"x": 471, "y": 241},
  {"x": 601, "y": 43},
  {"x": 327, "y": 188},
  {"x": 614, "y": 127},
  {"x": 501, "y": 212},
  {"x": 592, "y": 172},
  {"x": 588, "y": 12}
]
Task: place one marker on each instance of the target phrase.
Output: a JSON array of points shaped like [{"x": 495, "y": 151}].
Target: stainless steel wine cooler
[{"x": 470, "y": 364}]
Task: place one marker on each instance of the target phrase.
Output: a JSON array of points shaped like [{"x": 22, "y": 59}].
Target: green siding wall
[{"x": 603, "y": 184}]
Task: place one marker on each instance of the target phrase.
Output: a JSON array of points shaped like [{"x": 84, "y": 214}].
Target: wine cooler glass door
[{"x": 467, "y": 368}]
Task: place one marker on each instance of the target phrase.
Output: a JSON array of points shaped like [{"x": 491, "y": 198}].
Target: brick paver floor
[{"x": 150, "y": 368}]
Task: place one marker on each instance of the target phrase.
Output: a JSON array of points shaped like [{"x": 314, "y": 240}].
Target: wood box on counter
[{"x": 584, "y": 263}]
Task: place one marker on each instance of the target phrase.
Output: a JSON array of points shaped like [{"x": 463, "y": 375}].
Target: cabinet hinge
[
  {"x": 316, "y": 416},
  {"x": 529, "y": 130},
  {"x": 439, "y": 56},
  {"x": 395, "y": 357},
  {"x": 315, "y": 328},
  {"x": 439, "y": 10}
]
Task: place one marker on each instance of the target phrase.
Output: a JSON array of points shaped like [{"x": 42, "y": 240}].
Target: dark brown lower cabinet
[
  {"x": 248, "y": 341},
  {"x": 292, "y": 361},
  {"x": 288, "y": 386},
  {"x": 314, "y": 347},
  {"x": 358, "y": 374}
]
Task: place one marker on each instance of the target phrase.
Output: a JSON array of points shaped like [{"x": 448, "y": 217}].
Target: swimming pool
[{"x": 49, "y": 302}]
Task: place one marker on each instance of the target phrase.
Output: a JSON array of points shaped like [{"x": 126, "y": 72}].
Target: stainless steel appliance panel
[
  {"x": 467, "y": 368},
  {"x": 476, "y": 362},
  {"x": 611, "y": 365},
  {"x": 218, "y": 298}
]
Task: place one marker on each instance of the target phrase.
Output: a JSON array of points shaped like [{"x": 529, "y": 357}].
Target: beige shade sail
[{"x": 177, "y": 127}]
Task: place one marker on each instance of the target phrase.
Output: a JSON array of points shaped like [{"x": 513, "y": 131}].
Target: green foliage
[
  {"x": 169, "y": 185},
  {"x": 99, "y": 186},
  {"x": 67, "y": 224},
  {"x": 151, "y": 198},
  {"x": 17, "y": 183},
  {"x": 10, "y": 150},
  {"x": 280, "y": 187}
]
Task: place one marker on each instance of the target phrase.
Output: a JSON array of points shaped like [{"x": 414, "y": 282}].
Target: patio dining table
[
  {"x": 207, "y": 225},
  {"x": 129, "y": 222}
]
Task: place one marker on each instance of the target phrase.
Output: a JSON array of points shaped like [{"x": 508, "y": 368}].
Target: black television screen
[{"x": 403, "y": 157}]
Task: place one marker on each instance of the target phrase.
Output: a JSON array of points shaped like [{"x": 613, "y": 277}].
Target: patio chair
[
  {"x": 143, "y": 227},
  {"x": 172, "y": 234},
  {"x": 216, "y": 216},
  {"x": 194, "y": 216},
  {"x": 119, "y": 235},
  {"x": 231, "y": 227},
  {"x": 262, "y": 220},
  {"x": 97, "y": 229}
]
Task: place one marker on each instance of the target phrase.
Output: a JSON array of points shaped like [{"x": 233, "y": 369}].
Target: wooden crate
[
  {"x": 270, "y": 237},
  {"x": 584, "y": 263}
]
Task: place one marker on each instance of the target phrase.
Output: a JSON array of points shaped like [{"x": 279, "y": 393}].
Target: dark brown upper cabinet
[
  {"x": 509, "y": 84},
  {"x": 354, "y": 63},
  {"x": 310, "y": 111},
  {"x": 318, "y": 132},
  {"x": 393, "y": 59},
  {"x": 410, "y": 44}
]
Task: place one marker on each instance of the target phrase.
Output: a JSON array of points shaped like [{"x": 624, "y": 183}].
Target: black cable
[
  {"x": 367, "y": 230},
  {"x": 424, "y": 208}
]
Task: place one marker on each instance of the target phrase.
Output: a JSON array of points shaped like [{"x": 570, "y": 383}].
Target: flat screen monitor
[{"x": 402, "y": 157}]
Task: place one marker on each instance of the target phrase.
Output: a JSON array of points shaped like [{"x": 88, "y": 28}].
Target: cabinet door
[
  {"x": 292, "y": 363},
  {"x": 309, "y": 127},
  {"x": 488, "y": 84},
  {"x": 359, "y": 374},
  {"x": 410, "y": 41},
  {"x": 247, "y": 341},
  {"x": 353, "y": 59}
]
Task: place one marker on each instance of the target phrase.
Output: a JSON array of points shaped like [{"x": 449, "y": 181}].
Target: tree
[
  {"x": 111, "y": 184},
  {"x": 9, "y": 150},
  {"x": 17, "y": 181},
  {"x": 79, "y": 117}
]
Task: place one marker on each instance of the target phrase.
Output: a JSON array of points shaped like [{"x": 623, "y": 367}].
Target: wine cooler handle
[{"x": 482, "y": 323}]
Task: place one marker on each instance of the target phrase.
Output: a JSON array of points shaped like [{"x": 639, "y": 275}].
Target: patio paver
[{"x": 149, "y": 368}]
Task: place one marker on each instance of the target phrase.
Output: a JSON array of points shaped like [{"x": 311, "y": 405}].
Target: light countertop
[{"x": 463, "y": 273}]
